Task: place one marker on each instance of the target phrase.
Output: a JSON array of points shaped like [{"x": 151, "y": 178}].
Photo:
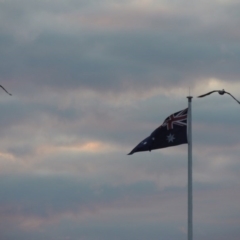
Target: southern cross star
[{"x": 170, "y": 138}]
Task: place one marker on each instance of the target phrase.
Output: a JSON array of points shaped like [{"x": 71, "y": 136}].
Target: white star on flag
[{"x": 170, "y": 138}]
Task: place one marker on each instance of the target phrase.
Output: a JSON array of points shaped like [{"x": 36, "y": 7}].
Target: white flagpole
[{"x": 190, "y": 205}]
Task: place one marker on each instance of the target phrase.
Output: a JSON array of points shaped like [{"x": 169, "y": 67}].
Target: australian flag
[{"x": 172, "y": 132}]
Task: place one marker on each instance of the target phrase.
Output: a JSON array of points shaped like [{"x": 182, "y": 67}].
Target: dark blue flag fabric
[{"x": 172, "y": 132}]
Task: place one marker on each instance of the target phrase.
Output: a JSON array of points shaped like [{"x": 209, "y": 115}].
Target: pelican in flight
[
  {"x": 221, "y": 92},
  {"x": 5, "y": 90}
]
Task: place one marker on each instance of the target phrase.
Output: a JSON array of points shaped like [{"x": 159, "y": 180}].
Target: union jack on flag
[{"x": 178, "y": 118}]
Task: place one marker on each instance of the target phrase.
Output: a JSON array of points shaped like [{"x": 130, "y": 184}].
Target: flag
[{"x": 172, "y": 132}]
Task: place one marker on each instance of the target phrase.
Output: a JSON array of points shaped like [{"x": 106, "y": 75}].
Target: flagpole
[{"x": 190, "y": 205}]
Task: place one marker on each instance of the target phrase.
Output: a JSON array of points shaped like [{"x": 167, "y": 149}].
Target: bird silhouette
[
  {"x": 5, "y": 90},
  {"x": 221, "y": 92}
]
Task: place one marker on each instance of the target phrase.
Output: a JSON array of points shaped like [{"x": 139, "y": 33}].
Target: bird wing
[
  {"x": 232, "y": 96},
  {"x": 5, "y": 90},
  {"x": 207, "y": 93}
]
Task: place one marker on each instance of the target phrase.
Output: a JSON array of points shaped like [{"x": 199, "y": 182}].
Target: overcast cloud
[{"x": 91, "y": 79}]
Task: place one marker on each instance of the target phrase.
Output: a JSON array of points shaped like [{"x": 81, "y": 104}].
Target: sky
[{"x": 91, "y": 79}]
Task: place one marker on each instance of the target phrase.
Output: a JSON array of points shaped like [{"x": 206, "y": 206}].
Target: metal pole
[{"x": 190, "y": 205}]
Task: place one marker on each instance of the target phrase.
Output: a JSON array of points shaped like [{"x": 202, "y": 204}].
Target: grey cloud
[
  {"x": 77, "y": 80},
  {"x": 43, "y": 196},
  {"x": 116, "y": 61}
]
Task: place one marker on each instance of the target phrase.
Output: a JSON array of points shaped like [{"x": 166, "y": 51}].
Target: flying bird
[
  {"x": 221, "y": 92},
  {"x": 5, "y": 90}
]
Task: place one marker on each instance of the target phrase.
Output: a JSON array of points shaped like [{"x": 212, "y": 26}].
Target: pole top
[{"x": 189, "y": 98}]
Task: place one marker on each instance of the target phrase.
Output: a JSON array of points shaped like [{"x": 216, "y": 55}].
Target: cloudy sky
[{"x": 90, "y": 79}]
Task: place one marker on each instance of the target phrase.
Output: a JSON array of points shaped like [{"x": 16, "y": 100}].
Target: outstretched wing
[
  {"x": 232, "y": 96},
  {"x": 5, "y": 90},
  {"x": 207, "y": 93}
]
